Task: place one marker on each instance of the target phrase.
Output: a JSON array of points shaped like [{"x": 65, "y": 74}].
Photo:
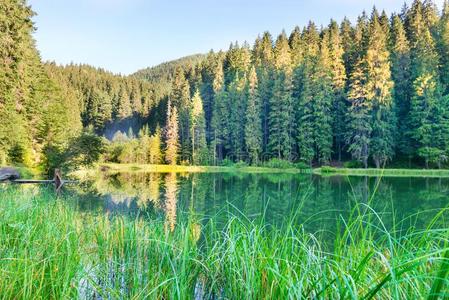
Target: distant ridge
[
  {"x": 161, "y": 76},
  {"x": 165, "y": 71}
]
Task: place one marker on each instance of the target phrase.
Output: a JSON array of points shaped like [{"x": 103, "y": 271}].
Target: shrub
[
  {"x": 302, "y": 165},
  {"x": 328, "y": 169},
  {"x": 353, "y": 164},
  {"x": 278, "y": 164},
  {"x": 227, "y": 162},
  {"x": 240, "y": 164}
]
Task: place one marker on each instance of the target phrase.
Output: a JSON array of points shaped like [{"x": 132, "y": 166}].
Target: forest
[{"x": 374, "y": 92}]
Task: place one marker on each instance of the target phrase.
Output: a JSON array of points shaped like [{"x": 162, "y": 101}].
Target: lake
[
  {"x": 319, "y": 203},
  {"x": 227, "y": 235}
]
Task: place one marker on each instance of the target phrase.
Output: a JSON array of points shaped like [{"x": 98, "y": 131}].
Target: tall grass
[{"x": 48, "y": 249}]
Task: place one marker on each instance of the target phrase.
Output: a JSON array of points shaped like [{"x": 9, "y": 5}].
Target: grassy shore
[
  {"x": 324, "y": 171},
  {"x": 330, "y": 171},
  {"x": 195, "y": 169},
  {"x": 48, "y": 249}
]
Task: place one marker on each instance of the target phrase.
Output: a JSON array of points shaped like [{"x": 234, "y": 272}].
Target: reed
[{"x": 49, "y": 249}]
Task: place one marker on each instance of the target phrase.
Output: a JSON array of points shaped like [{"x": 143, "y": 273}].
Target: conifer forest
[
  {"x": 373, "y": 92},
  {"x": 308, "y": 163}
]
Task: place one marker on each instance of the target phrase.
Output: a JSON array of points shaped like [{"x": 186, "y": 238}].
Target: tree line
[
  {"x": 372, "y": 92},
  {"x": 375, "y": 92}
]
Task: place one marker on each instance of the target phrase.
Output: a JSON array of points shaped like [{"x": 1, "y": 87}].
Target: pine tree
[
  {"x": 234, "y": 141},
  {"x": 359, "y": 126},
  {"x": 347, "y": 41},
  {"x": 143, "y": 148},
  {"x": 219, "y": 123},
  {"x": 281, "y": 112},
  {"x": 281, "y": 117},
  {"x": 154, "y": 148},
  {"x": 253, "y": 124},
  {"x": 426, "y": 108},
  {"x": 237, "y": 62},
  {"x": 282, "y": 54},
  {"x": 218, "y": 113},
  {"x": 264, "y": 61},
  {"x": 302, "y": 94},
  {"x": 180, "y": 96},
  {"x": 443, "y": 47},
  {"x": 171, "y": 135},
  {"x": 426, "y": 117},
  {"x": 124, "y": 105},
  {"x": 198, "y": 129},
  {"x": 324, "y": 95},
  {"x": 296, "y": 46},
  {"x": 379, "y": 87},
  {"x": 338, "y": 76},
  {"x": 400, "y": 71},
  {"x": 314, "y": 134},
  {"x": 208, "y": 71}
]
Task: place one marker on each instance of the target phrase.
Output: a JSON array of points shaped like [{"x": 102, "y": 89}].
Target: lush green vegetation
[
  {"x": 50, "y": 250},
  {"x": 375, "y": 91},
  {"x": 195, "y": 169},
  {"x": 382, "y": 172}
]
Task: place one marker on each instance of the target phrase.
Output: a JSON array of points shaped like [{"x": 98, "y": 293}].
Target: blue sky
[{"x": 124, "y": 36}]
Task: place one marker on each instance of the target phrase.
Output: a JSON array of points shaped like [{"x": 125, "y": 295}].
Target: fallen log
[
  {"x": 20, "y": 181},
  {"x": 11, "y": 177},
  {"x": 9, "y": 173}
]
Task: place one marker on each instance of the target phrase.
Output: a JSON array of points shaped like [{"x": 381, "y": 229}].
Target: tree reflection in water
[{"x": 171, "y": 190}]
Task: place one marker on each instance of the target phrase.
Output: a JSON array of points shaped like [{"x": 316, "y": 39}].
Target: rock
[{"x": 9, "y": 173}]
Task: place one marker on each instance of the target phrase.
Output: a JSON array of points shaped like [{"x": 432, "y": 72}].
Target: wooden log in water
[
  {"x": 57, "y": 180},
  {"x": 9, "y": 173},
  {"x": 30, "y": 181},
  {"x": 41, "y": 181}
]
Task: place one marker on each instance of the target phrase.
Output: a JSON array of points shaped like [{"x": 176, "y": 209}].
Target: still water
[{"x": 319, "y": 203}]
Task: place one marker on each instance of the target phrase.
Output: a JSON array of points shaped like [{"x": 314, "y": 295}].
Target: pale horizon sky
[{"x": 124, "y": 36}]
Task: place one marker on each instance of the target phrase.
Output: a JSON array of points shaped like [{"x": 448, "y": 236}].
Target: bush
[
  {"x": 227, "y": 162},
  {"x": 328, "y": 169},
  {"x": 302, "y": 165},
  {"x": 353, "y": 164},
  {"x": 84, "y": 150},
  {"x": 278, "y": 164},
  {"x": 240, "y": 164}
]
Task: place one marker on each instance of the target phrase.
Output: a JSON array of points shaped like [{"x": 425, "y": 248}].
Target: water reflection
[
  {"x": 318, "y": 201},
  {"x": 171, "y": 189}
]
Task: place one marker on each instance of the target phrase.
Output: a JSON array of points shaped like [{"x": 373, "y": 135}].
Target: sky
[{"x": 124, "y": 36}]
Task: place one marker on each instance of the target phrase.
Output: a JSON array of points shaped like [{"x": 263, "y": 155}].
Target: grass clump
[{"x": 49, "y": 249}]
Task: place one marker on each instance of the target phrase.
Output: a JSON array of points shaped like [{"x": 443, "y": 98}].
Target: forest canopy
[{"x": 372, "y": 92}]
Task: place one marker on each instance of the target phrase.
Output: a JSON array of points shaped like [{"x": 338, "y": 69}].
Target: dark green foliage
[
  {"x": 379, "y": 92},
  {"x": 280, "y": 139},
  {"x": 359, "y": 116},
  {"x": 374, "y": 91},
  {"x": 161, "y": 76},
  {"x": 278, "y": 164},
  {"x": 38, "y": 108},
  {"x": 443, "y": 46},
  {"x": 85, "y": 149},
  {"x": 253, "y": 125},
  {"x": 400, "y": 73},
  {"x": 314, "y": 118}
]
